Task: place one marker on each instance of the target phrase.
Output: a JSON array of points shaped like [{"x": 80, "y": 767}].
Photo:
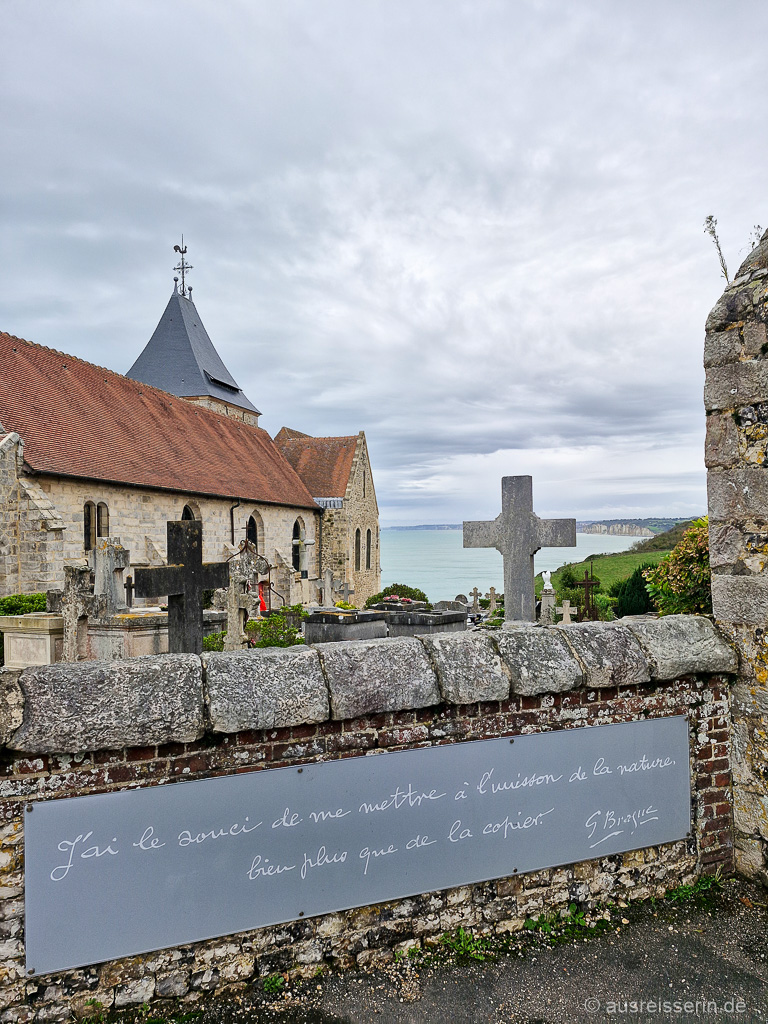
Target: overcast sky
[{"x": 472, "y": 229}]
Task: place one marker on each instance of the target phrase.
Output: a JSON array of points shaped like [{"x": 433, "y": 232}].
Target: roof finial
[{"x": 183, "y": 266}]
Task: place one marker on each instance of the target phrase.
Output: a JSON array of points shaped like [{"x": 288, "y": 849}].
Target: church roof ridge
[{"x": 129, "y": 432}]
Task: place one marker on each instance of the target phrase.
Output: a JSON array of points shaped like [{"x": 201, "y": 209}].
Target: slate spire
[{"x": 181, "y": 358}]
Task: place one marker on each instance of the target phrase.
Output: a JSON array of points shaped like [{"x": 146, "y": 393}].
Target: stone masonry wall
[
  {"x": 31, "y": 528},
  {"x": 360, "y": 511},
  {"x": 736, "y": 401},
  {"x": 138, "y": 517},
  {"x": 69, "y": 730}
]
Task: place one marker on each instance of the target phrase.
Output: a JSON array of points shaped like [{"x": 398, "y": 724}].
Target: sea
[{"x": 435, "y": 561}]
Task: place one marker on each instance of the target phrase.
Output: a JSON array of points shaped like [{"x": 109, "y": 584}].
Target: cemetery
[{"x": 247, "y": 812}]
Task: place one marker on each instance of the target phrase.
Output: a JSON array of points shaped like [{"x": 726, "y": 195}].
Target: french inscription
[{"x": 193, "y": 861}]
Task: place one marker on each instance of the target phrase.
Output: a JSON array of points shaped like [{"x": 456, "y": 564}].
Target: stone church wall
[
  {"x": 138, "y": 517},
  {"x": 31, "y": 528},
  {"x": 359, "y": 511},
  {"x": 736, "y": 401},
  {"x": 181, "y": 718}
]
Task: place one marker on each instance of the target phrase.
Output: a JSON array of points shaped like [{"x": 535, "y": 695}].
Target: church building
[{"x": 87, "y": 453}]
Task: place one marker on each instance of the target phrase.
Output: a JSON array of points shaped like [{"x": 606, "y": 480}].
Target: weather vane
[{"x": 182, "y": 266}]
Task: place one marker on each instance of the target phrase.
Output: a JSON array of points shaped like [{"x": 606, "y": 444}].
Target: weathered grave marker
[
  {"x": 517, "y": 533},
  {"x": 566, "y": 611},
  {"x": 183, "y": 580}
]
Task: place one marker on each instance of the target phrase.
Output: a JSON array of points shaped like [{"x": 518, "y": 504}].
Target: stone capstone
[
  {"x": 610, "y": 654},
  {"x": 265, "y": 689},
  {"x": 679, "y": 645},
  {"x": 374, "y": 676},
  {"x": 538, "y": 660},
  {"x": 108, "y": 705},
  {"x": 468, "y": 667}
]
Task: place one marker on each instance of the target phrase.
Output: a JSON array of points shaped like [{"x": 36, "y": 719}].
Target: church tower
[{"x": 180, "y": 357}]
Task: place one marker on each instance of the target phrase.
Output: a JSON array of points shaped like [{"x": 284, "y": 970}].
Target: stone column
[{"x": 736, "y": 401}]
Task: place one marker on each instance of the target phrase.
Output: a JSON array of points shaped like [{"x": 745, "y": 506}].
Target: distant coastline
[{"x": 612, "y": 527}]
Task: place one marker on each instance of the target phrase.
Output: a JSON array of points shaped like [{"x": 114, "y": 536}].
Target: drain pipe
[{"x": 232, "y": 519}]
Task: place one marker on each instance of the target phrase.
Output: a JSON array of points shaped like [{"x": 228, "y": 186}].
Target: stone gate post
[{"x": 736, "y": 454}]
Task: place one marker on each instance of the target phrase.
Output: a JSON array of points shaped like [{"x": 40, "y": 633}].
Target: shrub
[
  {"x": 282, "y": 628},
  {"x": 680, "y": 583},
  {"x": 19, "y": 604},
  {"x": 632, "y": 593},
  {"x": 401, "y": 590},
  {"x": 214, "y": 641}
]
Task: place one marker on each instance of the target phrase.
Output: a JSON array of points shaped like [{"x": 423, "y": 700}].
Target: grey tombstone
[
  {"x": 346, "y": 590},
  {"x": 242, "y": 600},
  {"x": 492, "y": 599},
  {"x": 517, "y": 533},
  {"x": 183, "y": 580},
  {"x": 547, "y": 613},
  {"x": 109, "y": 560},
  {"x": 475, "y": 595}
]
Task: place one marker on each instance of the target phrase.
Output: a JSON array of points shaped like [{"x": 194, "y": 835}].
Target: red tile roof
[
  {"x": 323, "y": 463},
  {"x": 80, "y": 420}
]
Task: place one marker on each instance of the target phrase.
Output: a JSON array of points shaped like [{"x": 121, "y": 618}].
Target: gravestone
[
  {"x": 346, "y": 590},
  {"x": 475, "y": 595},
  {"x": 242, "y": 598},
  {"x": 547, "y": 613},
  {"x": 517, "y": 533},
  {"x": 566, "y": 611},
  {"x": 589, "y": 584},
  {"x": 492, "y": 600},
  {"x": 183, "y": 580},
  {"x": 326, "y": 589},
  {"x": 109, "y": 560}
]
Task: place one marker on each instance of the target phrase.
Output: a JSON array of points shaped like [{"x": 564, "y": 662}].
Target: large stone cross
[
  {"x": 183, "y": 580},
  {"x": 518, "y": 534}
]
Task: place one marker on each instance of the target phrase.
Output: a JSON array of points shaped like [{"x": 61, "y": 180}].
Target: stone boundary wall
[
  {"x": 96, "y": 727},
  {"x": 736, "y": 454}
]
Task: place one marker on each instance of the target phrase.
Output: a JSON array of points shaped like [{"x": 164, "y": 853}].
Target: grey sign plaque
[{"x": 116, "y": 874}]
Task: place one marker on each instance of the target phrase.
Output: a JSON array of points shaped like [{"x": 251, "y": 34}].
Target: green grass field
[{"x": 610, "y": 568}]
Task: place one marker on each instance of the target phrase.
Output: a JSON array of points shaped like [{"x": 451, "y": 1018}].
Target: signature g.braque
[{"x": 614, "y": 824}]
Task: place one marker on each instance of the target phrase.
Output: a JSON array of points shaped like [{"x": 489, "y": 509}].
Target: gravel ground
[{"x": 707, "y": 963}]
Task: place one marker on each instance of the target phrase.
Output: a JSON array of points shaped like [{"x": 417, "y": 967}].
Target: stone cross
[
  {"x": 492, "y": 598},
  {"x": 565, "y": 610},
  {"x": 346, "y": 590},
  {"x": 475, "y": 594},
  {"x": 326, "y": 588},
  {"x": 109, "y": 560},
  {"x": 242, "y": 599},
  {"x": 183, "y": 580},
  {"x": 517, "y": 533}
]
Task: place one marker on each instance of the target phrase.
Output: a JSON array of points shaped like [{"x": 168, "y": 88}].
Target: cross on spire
[
  {"x": 183, "y": 267},
  {"x": 517, "y": 533}
]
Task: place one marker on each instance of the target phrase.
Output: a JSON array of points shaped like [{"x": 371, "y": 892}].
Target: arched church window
[
  {"x": 252, "y": 533},
  {"x": 187, "y": 513},
  {"x": 296, "y": 546},
  {"x": 357, "y": 548},
  {"x": 102, "y": 520},
  {"x": 367, "y": 549},
  {"x": 89, "y": 525}
]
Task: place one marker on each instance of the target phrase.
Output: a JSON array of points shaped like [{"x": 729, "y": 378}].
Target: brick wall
[
  {"x": 260, "y": 710},
  {"x": 736, "y": 400}
]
